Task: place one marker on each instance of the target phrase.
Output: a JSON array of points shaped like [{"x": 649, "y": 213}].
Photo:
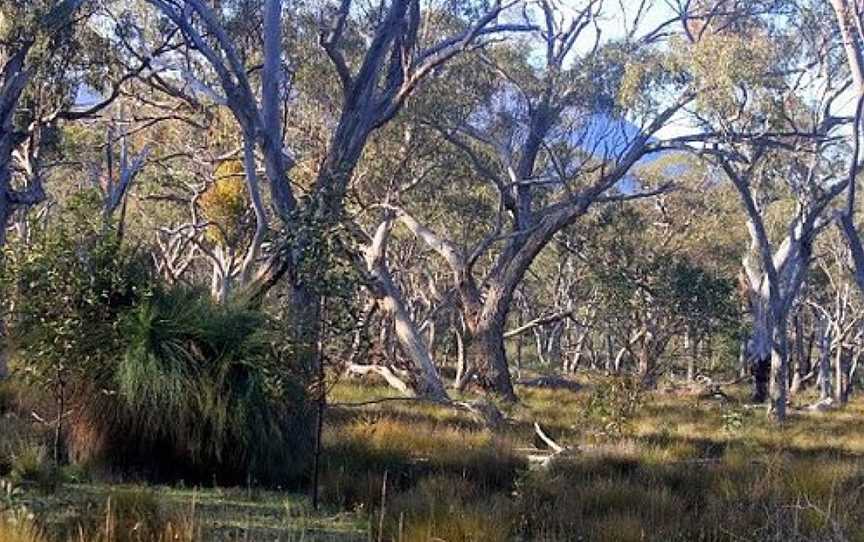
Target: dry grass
[
  {"x": 678, "y": 469},
  {"x": 20, "y": 528}
]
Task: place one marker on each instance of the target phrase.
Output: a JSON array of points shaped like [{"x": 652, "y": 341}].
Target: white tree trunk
[{"x": 408, "y": 334}]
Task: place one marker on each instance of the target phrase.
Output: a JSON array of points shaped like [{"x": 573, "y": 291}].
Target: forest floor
[{"x": 665, "y": 465}]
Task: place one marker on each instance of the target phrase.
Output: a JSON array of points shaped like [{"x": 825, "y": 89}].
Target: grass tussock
[
  {"x": 20, "y": 527},
  {"x": 452, "y": 509},
  {"x": 131, "y": 515},
  {"x": 126, "y": 515},
  {"x": 360, "y": 451},
  {"x": 198, "y": 395}
]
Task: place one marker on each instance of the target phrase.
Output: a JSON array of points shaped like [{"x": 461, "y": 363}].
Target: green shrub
[
  {"x": 149, "y": 379},
  {"x": 613, "y": 405}
]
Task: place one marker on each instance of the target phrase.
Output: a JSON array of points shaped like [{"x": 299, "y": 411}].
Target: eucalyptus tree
[
  {"x": 849, "y": 19},
  {"x": 34, "y": 40},
  {"x": 651, "y": 289},
  {"x": 836, "y": 304},
  {"x": 767, "y": 124},
  {"x": 389, "y": 297},
  {"x": 379, "y": 58},
  {"x": 565, "y": 125}
]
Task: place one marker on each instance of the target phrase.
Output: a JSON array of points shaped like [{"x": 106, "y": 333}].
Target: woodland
[{"x": 431, "y": 270}]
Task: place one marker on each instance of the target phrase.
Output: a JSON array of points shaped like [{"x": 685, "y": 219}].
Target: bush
[
  {"x": 613, "y": 405},
  {"x": 33, "y": 464},
  {"x": 198, "y": 394},
  {"x": 157, "y": 380}
]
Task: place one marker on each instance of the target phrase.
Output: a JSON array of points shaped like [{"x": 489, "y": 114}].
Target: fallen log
[
  {"x": 389, "y": 375},
  {"x": 551, "y": 383}
]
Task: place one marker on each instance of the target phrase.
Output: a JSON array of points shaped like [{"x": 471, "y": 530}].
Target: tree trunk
[
  {"x": 359, "y": 343},
  {"x": 4, "y": 365},
  {"x": 801, "y": 362},
  {"x": 304, "y": 314},
  {"x": 841, "y": 375},
  {"x": 825, "y": 361},
  {"x": 5, "y": 215},
  {"x": 619, "y": 360},
  {"x": 412, "y": 345},
  {"x": 761, "y": 370},
  {"x": 779, "y": 373},
  {"x": 553, "y": 345},
  {"x": 519, "y": 322},
  {"x": 6, "y": 211},
  {"x": 579, "y": 351},
  {"x": 461, "y": 357},
  {"x": 692, "y": 347},
  {"x": 539, "y": 346},
  {"x": 645, "y": 361},
  {"x": 743, "y": 366},
  {"x": 486, "y": 349},
  {"x": 853, "y": 369},
  {"x": 408, "y": 334},
  {"x": 611, "y": 362},
  {"x": 759, "y": 349}
]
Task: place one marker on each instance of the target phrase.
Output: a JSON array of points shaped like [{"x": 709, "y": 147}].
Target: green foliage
[
  {"x": 20, "y": 439},
  {"x": 70, "y": 290},
  {"x": 733, "y": 420},
  {"x": 723, "y": 63},
  {"x": 715, "y": 67},
  {"x": 34, "y": 465},
  {"x": 613, "y": 405},
  {"x": 203, "y": 377},
  {"x": 638, "y": 273},
  {"x": 646, "y": 76},
  {"x": 161, "y": 378}
]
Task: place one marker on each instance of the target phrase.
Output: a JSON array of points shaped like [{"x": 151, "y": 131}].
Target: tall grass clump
[
  {"x": 19, "y": 528},
  {"x": 198, "y": 392}
]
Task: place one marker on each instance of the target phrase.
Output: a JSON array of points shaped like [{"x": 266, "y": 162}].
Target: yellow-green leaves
[
  {"x": 730, "y": 73},
  {"x": 724, "y": 65},
  {"x": 225, "y": 204},
  {"x": 645, "y": 76}
]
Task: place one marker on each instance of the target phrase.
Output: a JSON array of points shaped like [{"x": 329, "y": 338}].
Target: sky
[{"x": 617, "y": 17}]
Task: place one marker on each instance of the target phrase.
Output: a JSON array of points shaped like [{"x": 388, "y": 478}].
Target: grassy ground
[
  {"x": 194, "y": 514},
  {"x": 663, "y": 466}
]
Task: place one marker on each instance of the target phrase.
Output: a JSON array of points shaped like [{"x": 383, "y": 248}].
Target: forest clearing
[
  {"x": 665, "y": 466},
  {"x": 431, "y": 270}
]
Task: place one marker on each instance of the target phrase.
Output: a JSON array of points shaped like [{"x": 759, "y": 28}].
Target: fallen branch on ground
[
  {"x": 389, "y": 375},
  {"x": 550, "y": 382}
]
